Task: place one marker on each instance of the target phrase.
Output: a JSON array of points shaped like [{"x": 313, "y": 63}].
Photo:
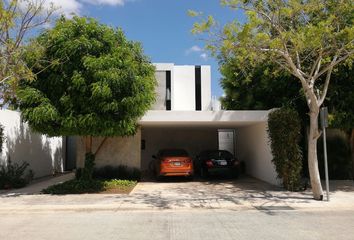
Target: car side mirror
[{"x": 153, "y": 156}]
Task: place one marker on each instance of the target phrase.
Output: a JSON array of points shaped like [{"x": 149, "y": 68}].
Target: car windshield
[
  {"x": 173, "y": 153},
  {"x": 220, "y": 155}
]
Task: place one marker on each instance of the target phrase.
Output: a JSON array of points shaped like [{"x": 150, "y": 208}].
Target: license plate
[
  {"x": 177, "y": 163},
  {"x": 222, "y": 162}
]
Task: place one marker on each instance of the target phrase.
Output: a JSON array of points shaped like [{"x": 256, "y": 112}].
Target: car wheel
[
  {"x": 158, "y": 178},
  {"x": 235, "y": 173},
  {"x": 190, "y": 178},
  {"x": 204, "y": 173}
]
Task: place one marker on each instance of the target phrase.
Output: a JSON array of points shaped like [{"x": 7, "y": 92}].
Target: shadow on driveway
[{"x": 225, "y": 193}]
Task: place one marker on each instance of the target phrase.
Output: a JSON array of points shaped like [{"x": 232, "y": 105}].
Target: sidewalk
[
  {"x": 241, "y": 194},
  {"x": 37, "y": 185}
]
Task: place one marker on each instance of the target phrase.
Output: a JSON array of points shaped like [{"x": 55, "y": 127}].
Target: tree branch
[
  {"x": 5, "y": 79},
  {"x": 332, "y": 64},
  {"x": 100, "y": 146},
  {"x": 298, "y": 60},
  {"x": 325, "y": 87}
]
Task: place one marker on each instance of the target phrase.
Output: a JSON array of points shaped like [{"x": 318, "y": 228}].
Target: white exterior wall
[
  {"x": 115, "y": 151},
  {"x": 253, "y": 147},
  {"x": 206, "y": 88},
  {"x": 44, "y": 154},
  {"x": 184, "y": 88},
  {"x": 168, "y": 67}
]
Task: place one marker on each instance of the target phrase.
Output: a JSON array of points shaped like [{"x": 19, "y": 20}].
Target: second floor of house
[{"x": 183, "y": 87}]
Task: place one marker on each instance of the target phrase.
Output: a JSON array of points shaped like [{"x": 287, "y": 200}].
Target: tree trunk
[
  {"x": 352, "y": 151},
  {"x": 88, "y": 144},
  {"x": 89, "y": 163},
  {"x": 312, "y": 154}
]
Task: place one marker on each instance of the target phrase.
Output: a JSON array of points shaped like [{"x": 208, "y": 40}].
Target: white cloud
[
  {"x": 194, "y": 49},
  {"x": 106, "y": 2},
  {"x": 204, "y": 56},
  {"x": 69, "y": 7}
]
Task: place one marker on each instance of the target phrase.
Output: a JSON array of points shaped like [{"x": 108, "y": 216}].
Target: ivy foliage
[
  {"x": 284, "y": 130},
  {"x": 92, "y": 81}
]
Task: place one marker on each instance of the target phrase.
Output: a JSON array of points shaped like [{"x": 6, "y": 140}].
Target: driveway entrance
[{"x": 176, "y": 193}]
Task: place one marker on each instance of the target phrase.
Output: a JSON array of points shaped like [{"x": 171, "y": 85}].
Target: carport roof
[{"x": 219, "y": 119}]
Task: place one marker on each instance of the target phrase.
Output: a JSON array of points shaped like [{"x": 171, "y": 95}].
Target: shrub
[
  {"x": 339, "y": 158},
  {"x": 112, "y": 172},
  {"x": 75, "y": 187},
  {"x": 93, "y": 186},
  {"x": 15, "y": 175},
  {"x": 87, "y": 171},
  {"x": 78, "y": 173},
  {"x": 119, "y": 172},
  {"x": 284, "y": 129}
]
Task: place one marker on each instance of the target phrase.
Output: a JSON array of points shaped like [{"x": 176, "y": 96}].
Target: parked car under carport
[
  {"x": 216, "y": 162},
  {"x": 172, "y": 162}
]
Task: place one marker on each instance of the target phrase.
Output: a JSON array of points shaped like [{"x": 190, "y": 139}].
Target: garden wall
[{"x": 44, "y": 154}]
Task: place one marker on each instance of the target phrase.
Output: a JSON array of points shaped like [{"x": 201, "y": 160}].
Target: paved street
[
  {"x": 195, "y": 224},
  {"x": 245, "y": 208},
  {"x": 244, "y": 193}
]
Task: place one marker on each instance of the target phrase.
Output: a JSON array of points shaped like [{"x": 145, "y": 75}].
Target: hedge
[{"x": 284, "y": 129}]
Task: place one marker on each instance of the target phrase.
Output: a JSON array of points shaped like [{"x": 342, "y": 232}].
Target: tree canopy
[
  {"x": 101, "y": 86},
  {"x": 18, "y": 19},
  {"x": 260, "y": 88},
  {"x": 307, "y": 39}
]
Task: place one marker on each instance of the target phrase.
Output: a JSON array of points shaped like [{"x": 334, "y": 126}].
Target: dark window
[
  {"x": 142, "y": 144},
  {"x": 198, "y": 88},
  {"x": 168, "y": 90}
]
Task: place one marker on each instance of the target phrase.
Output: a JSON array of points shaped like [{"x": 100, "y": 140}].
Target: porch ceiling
[{"x": 217, "y": 119}]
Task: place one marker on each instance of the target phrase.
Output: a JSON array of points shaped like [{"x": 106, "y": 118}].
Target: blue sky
[{"x": 162, "y": 26}]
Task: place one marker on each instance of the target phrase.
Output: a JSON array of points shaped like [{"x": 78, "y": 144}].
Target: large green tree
[
  {"x": 260, "y": 88},
  {"x": 341, "y": 101},
  {"x": 304, "y": 38},
  {"x": 102, "y": 88},
  {"x": 18, "y": 19},
  {"x": 264, "y": 87}
]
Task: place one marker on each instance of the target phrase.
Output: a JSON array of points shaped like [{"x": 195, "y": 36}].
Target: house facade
[{"x": 186, "y": 116}]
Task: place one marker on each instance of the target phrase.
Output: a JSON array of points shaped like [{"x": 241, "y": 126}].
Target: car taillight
[
  {"x": 166, "y": 160},
  {"x": 209, "y": 163},
  {"x": 188, "y": 161}
]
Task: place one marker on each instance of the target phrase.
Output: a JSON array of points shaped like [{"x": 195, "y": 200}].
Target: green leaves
[
  {"x": 300, "y": 30},
  {"x": 284, "y": 131},
  {"x": 102, "y": 86},
  {"x": 17, "y": 20}
]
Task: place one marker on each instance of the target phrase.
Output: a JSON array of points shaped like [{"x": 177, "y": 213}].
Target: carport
[{"x": 196, "y": 131}]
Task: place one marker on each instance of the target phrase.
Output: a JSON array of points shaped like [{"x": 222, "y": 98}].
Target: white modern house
[{"x": 184, "y": 116}]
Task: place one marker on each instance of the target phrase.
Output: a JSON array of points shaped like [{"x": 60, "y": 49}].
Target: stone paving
[{"x": 244, "y": 193}]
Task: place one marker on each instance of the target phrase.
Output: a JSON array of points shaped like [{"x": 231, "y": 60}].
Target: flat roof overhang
[{"x": 217, "y": 119}]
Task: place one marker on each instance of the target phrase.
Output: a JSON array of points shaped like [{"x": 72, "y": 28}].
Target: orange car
[{"x": 173, "y": 162}]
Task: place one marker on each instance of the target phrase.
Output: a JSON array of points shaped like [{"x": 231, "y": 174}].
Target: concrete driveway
[{"x": 244, "y": 193}]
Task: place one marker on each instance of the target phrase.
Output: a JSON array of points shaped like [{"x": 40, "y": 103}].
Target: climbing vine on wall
[{"x": 284, "y": 129}]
